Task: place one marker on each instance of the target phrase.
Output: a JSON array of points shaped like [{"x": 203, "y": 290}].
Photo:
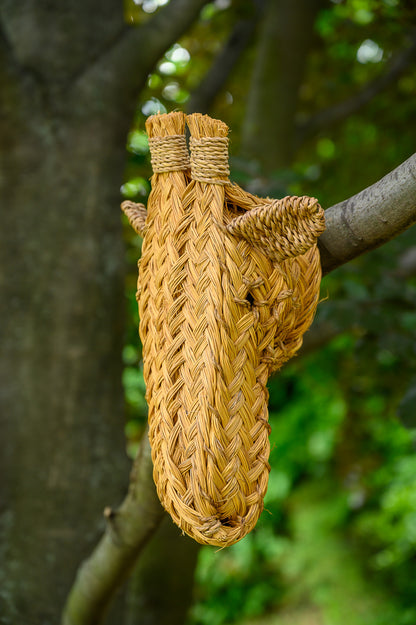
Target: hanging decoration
[{"x": 228, "y": 284}]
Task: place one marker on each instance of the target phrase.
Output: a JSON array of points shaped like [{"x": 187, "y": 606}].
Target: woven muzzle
[{"x": 228, "y": 284}]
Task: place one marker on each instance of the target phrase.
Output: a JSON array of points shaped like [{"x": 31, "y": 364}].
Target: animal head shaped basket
[{"x": 228, "y": 284}]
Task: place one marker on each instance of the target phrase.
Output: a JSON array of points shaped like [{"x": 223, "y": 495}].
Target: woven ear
[
  {"x": 136, "y": 214},
  {"x": 281, "y": 229}
]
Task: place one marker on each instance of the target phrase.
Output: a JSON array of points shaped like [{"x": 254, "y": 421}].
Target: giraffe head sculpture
[{"x": 228, "y": 284}]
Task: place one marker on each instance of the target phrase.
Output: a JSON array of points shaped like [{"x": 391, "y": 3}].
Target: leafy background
[{"x": 337, "y": 542}]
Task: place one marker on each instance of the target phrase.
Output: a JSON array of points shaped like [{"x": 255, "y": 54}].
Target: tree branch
[
  {"x": 5, "y": 48},
  {"x": 216, "y": 77},
  {"x": 285, "y": 39},
  {"x": 128, "y": 530},
  {"x": 323, "y": 331},
  {"x": 372, "y": 217},
  {"x": 126, "y": 64},
  {"x": 397, "y": 65},
  {"x": 143, "y": 46},
  {"x": 319, "y": 335},
  {"x": 169, "y": 24}
]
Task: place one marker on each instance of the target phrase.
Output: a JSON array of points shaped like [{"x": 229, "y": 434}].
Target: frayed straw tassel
[{"x": 228, "y": 285}]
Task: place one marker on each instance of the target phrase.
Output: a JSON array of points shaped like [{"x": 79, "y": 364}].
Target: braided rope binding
[{"x": 228, "y": 284}]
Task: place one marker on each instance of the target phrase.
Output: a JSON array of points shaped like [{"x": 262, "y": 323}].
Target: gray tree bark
[
  {"x": 370, "y": 218},
  {"x": 61, "y": 321},
  {"x": 128, "y": 530},
  {"x": 69, "y": 77}
]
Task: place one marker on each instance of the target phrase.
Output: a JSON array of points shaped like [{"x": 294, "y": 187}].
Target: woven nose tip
[{"x": 224, "y": 532}]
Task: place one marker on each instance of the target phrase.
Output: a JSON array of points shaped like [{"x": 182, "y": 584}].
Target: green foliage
[
  {"x": 237, "y": 584},
  {"x": 391, "y": 525}
]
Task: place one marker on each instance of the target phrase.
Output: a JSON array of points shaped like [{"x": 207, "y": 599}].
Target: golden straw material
[
  {"x": 298, "y": 278},
  {"x": 280, "y": 229},
  {"x": 162, "y": 272},
  {"x": 136, "y": 214},
  {"x": 168, "y": 153},
  {"x": 228, "y": 284}
]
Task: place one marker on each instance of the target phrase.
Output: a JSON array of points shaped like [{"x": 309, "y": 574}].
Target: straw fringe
[{"x": 228, "y": 284}]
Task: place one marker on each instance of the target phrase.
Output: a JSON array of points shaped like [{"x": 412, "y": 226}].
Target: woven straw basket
[{"x": 228, "y": 284}]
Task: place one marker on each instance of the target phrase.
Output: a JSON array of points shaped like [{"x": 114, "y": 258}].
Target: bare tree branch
[
  {"x": 128, "y": 530},
  {"x": 324, "y": 331},
  {"x": 5, "y": 48},
  {"x": 216, "y": 77},
  {"x": 170, "y": 22},
  {"x": 397, "y": 65},
  {"x": 319, "y": 335},
  {"x": 372, "y": 217},
  {"x": 285, "y": 39}
]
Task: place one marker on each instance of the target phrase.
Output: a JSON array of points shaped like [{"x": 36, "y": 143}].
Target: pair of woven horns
[{"x": 281, "y": 229}]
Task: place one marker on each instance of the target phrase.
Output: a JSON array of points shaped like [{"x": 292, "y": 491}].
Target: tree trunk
[
  {"x": 285, "y": 38},
  {"x": 61, "y": 324}
]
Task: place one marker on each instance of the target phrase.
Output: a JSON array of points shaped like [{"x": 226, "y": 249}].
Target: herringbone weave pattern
[{"x": 228, "y": 284}]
